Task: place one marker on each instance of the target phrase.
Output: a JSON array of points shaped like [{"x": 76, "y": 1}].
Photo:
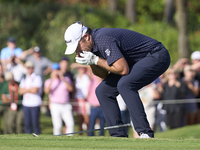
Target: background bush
[{"x": 44, "y": 24}]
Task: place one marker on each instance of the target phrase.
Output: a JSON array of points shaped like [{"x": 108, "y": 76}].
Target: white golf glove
[{"x": 87, "y": 58}]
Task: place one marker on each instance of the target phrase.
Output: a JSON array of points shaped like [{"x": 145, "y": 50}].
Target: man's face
[
  {"x": 81, "y": 70},
  {"x": 194, "y": 61},
  {"x": 37, "y": 54},
  {"x": 11, "y": 45},
  {"x": 55, "y": 73},
  {"x": 84, "y": 45},
  {"x": 63, "y": 65},
  {"x": 30, "y": 70},
  {"x": 11, "y": 81}
]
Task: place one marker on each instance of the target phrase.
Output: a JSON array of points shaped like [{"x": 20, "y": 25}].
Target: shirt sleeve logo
[{"x": 107, "y": 52}]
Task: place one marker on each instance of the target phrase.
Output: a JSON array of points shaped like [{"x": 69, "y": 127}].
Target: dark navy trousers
[
  {"x": 31, "y": 119},
  {"x": 141, "y": 74}
]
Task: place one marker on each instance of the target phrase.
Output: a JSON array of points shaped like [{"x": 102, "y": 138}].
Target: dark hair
[
  {"x": 12, "y": 39},
  {"x": 89, "y": 31},
  {"x": 64, "y": 58}
]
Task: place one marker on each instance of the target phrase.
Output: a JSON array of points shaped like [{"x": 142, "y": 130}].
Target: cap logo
[{"x": 69, "y": 41}]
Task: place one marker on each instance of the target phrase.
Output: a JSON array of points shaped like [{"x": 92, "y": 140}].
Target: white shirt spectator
[
  {"x": 82, "y": 85},
  {"x": 147, "y": 97},
  {"x": 121, "y": 103},
  {"x": 18, "y": 71},
  {"x": 29, "y": 99}
]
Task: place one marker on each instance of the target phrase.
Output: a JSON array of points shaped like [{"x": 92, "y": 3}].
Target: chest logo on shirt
[{"x": 107, "y": 52}]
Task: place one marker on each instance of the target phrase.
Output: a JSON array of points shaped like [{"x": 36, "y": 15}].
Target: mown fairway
[
  {"x": 24, "y": 142},
  {"x": 187, "y": 138}
]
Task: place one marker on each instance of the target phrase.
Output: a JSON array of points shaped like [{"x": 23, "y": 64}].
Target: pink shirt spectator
[
  {"x": 59, "y": 93},
  {"x": 92, "y": 99}
]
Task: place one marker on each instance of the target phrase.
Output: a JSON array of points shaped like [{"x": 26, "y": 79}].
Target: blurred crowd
[
  {"x": 26, "y": 77},
  {"x": 171, "y": 101}
]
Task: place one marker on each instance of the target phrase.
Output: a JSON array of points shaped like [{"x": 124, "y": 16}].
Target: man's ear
[{"x": 86, "y": 37}]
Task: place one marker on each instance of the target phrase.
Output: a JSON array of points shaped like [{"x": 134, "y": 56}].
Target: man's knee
[
  {"x": 103, "y": 92},
  {"x": 124, "y": 85},
  {"x": 99, "y": 91}
]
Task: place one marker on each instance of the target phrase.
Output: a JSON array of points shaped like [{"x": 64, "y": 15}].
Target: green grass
[
  {"x": 189, "y": 132},
  {"x": 186, "y": 138},
  {"x": 24, "y": 142}
]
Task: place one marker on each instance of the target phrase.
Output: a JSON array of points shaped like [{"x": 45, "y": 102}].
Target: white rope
[{"x": 174, "y": 101}]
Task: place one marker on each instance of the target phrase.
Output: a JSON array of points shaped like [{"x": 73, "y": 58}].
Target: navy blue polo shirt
[{"x": 114, "y": 43}]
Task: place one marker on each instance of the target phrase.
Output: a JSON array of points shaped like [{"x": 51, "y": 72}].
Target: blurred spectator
[
  {"x": 193, "y": 91},
  {"x": 148, "y": 94},
  {"x": 9, "y": 51},
  {"x": 173, "y": 89},
  {"x": 3, "y": 108},
  {"x": 180, "y": 65},
  {"x": 160, "y": 118},
  {"x": 17, "y": 68},
  {"x": 10, "y": 96},
  {"x": 12, "y": 50},
  {"x": 64, "y": 66},
  {"x": 195, "y": 58},
  {"x": 124, "y": 111},
  {"x": 58, "y": 88},
  {"x": 82, "y": 108},
  {"x": 160, "y": 114},
  {"x": 31, "y": 89},
  {"x": 42, "y": 65},
  {"x": 95, "y": 109}
]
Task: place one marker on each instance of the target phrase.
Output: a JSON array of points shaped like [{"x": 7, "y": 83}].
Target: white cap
[
  {"x": 36, "y": 49},
  {"x": 195, "y": 55},
  {"x": 73, "y": 35},
  {"x": 29, "y": 64}
]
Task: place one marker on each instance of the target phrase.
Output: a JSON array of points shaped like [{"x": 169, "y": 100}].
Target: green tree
[
  {"x": 183, "y": 42},
  {"x": 130, "y": 10}
]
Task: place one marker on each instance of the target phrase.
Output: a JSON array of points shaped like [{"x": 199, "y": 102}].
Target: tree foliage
[{"x": 44, "y": 23}]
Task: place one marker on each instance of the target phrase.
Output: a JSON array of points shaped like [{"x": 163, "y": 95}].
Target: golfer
[{"x": 127, "y": 61}]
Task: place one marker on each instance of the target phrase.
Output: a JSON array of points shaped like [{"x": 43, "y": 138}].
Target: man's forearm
[
  {"x": 69, "y": 86},
  {"x": 22, "y": 91},
  {"x": 98, "y": 71},
  {"x": 120, "y": 66},
  {"x": 48, "y": 88},
  {"x": 25, "y": 53},
  {"x": 33, "y": 90}
]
